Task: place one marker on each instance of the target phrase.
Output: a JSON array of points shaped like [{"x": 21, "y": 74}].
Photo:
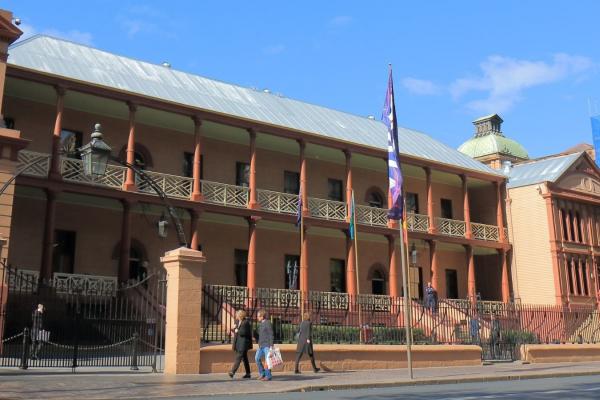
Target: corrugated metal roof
[
  {"x": 544, "y": 170},
  {"x": 74, "y": 61}
]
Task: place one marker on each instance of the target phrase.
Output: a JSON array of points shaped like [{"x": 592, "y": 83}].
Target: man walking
[
  {"x": 37, "y": 325},
  {"x": 431, "y": 298},
  {"x": 265, "y": 342}
]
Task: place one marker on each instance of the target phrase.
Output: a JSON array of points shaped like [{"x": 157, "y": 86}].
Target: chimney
[{"x": 488, "y": 125}]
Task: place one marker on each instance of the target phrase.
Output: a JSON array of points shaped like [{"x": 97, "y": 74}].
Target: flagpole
[
  {"x": 407, "y": 316},
  {"x": 357, "y": 275},
  {"x": 302, "y": 255}
]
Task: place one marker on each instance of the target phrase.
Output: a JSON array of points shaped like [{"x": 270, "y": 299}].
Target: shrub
[{"x": 519, "y": 337}]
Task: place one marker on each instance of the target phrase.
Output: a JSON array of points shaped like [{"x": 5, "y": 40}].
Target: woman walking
[
  {"x": 242, "y": 342},
  {"x": 305, "y": 344}
]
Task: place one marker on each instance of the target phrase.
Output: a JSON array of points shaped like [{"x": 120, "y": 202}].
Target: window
[
  {"x": 412, "y": 203},
  {"x": 579, "y": 223},
  {"x": 138, "y": 270},
  {"x": 188, "y": 165},
  {"x": 63, "y": 255},
  {"x": 378, "y": 282},
  {"x": 572, "y": 223},
  {"x": 9, "y": 123},
  {"x": 451, "y": 284},
  {"x": 446, "y": 208},
  {"x": 292, "y": 272},
  {"x": 563, "y": 216},
  {"x": 375, "y": 199},
  {"x": 70, "y": 142},
  {"x": 241, "y": 267},
  {"x": 337, "y": 273},
  {"x": 335, "y": 190},
  {"x": 584, "y": 274},
  {"x": 242, "y": 174},
  {"x": 570, "y": 277},
  {"x": 576, "y": 266},
  {"x": 291, "y": 182},
  {"x": 416, "y": 282}
]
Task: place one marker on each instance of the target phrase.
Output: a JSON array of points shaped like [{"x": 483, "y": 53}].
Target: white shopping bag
[{"x": 274, "y": 359}]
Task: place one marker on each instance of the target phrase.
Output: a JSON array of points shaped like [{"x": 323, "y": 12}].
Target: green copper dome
[{"x": 489, "y": 140}]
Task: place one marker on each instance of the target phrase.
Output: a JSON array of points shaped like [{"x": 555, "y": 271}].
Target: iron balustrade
[
  {"x": 327, "y": 209},
  {"x": 224, "y": 194},
  {"x": 371, "y": 215},
  {"x": 451, "y": 227},
  {"x": 34, "y": 163},
  {"x": 284, "y": 203},
  {"x": 417, "y": 222},
  {"x": 85, "y": 284},
  {"x": 485, "y": 232}
]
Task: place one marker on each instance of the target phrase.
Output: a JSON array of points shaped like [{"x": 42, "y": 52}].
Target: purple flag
[{"x": 394, "y": 173}]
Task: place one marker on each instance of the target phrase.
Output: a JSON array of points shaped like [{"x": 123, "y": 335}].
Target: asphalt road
[{"x": 587, "y": 387}]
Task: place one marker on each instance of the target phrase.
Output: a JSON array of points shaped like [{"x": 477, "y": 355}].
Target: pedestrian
[
  {"x": 305, "y": 343},
  {"x": 242, "y": 342},
  {"x": 37, "y": 326},
  {"x": 431, "y": 298},
  {"x": 474, "y": 328},
  {"x": 265, "y": 343},
  {"x": 495, "y": 336}
]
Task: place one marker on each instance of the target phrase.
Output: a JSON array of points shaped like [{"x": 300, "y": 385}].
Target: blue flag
[
  {"x": 394, "y": 173},
  {"x": 596, "y": 136},
  {"x": 299, "y": 212}
]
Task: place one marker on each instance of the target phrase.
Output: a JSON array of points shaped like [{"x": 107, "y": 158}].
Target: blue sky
[{"x": 536, "y": 63}]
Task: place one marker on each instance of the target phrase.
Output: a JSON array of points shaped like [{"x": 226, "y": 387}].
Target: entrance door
[
  {"x": 63, "y": 255},
  {"x": 416, "y": 282},
  {"x": 451, "y": 284}
]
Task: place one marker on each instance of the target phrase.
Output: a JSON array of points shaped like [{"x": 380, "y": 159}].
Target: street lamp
[{"x": 95, "y": 156}]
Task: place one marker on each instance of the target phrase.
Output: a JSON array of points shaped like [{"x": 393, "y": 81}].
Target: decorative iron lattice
[
  {"x": 371, "y": 216},
  {"x": 485, "y": 232},
  {"x": 451, "y": 227},
  {"x": 24, "y": 280},
  {"x": 329, "y": 300},
  {"x": 278, "y": 202},
  {"x": 417, "y": 222},
  {"x": 172, "y": 185},
  {"x": 374, "y": 302},
  {"x": 278, "y": 297},
  {"x": 222, "y": 193},
  {"x": 327, "y": 209},
  {"x": 86, "y": 285},
  {"x": 72, "y": 170},
  {"x": 40, "y": 168},
  {"x": 232, "y": 295}
]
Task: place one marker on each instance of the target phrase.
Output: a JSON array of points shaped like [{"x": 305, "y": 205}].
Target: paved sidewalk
[{"x": 93, "y": 384}]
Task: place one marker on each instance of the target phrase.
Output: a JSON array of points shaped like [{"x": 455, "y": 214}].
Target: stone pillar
[
  {"x": 505, "y": 283},
  {"x": 54, "y": 172},
  {"x": 499, "y": 212},
  {"x": 197, "y": 168},
  {"x": 466, "y": 207},
  {"x": 125, "y": 249},
  {"x": 303, "y": 178},
  {"x": 183, "y": 320},
  {"x": 471, "y": 285},
  {"x": 48, "y": 240},
  {"x": 252, "y": 200},
  {"x": 350, "y": 266},
  {"x": 194, "y": 217},
  {"x": 393, "y": 260},
  {"x": 129, "y": 184},
  {"x": 435, "y": 272},
  {"x": 251, "y": 272}
]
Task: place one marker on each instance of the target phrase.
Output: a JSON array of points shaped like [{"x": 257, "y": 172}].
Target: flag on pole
[
  {"x": 394, "y": 173},
  {"x": 352, "y": 229},
  {"x": 596, "y": 136},
  {"x": 299, "y": 211}
]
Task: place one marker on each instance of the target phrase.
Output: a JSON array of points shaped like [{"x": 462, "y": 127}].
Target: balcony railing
[
  {"x": 329, "y": 300},
  {"x": 90, "y": 285},
  {"x": 284, "y": 203},
  {"x": 224, "y": 194},
  {"x": 173, "y": 185},
  {"x": 72, "y": 170},
  {"x": 371, "y": 216},
  {"x": 40, "y": 168},
  {"x": 485, "y": 232},
  {"x": 374, "y": 302},
  {"x": 417, "y": 222},
  {"x": 327, "y": 209},
  {"x": 280, "y": 298},
  {"x": 23, "y": 280},
  {"x": 451, "y": 227}
]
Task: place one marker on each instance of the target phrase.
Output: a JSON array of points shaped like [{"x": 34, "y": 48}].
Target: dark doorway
[
  {"x": 451, "y": 284},
  {"x": 63, "y": 255},
  {"x": 378, "y": 282},
  {"x": 137, "y": 265},
  {"x": 241, "y": 267},
  {"x": 446, "y": 205},
  {"x": 337, "y": 273}
]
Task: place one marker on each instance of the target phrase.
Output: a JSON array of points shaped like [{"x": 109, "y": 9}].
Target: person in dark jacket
[
  {"x": 242, "y": 342},
  {"x": 431, "y": 298},
  {"x": 265, "y": 343},
  {"x": 37, "y": 325},
  {"x": 305, "y": 344}
]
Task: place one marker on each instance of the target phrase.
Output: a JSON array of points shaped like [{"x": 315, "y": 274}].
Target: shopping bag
[
  {"x": 274, "y": 359},
  {"x": 43, "y": 336}
]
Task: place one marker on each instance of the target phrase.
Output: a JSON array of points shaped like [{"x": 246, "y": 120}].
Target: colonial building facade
[{"x": 233, "y": 162}]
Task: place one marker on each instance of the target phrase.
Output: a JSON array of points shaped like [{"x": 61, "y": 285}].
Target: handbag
[{"x": 274, "y": 359}]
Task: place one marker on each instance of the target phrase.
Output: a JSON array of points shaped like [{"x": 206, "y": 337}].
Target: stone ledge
[{"x": 553, "y": 353}]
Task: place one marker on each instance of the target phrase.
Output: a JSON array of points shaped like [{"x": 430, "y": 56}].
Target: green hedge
[{"x": 518, "y": 337}]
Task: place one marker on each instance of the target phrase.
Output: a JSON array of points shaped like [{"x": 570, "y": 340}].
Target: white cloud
[
  {"x": 274, "y": 49},
  {"x": 144, "y": 19},
  {"x": 420, "y": 86},
  {"x": 505, "y": 79},
  {"x": 73, "y": 34},
  {"x": 340, "y": 20}
]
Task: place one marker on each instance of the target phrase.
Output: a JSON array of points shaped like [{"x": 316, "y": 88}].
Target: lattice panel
[
  {"x": 279, "y": 202},
  {"x": 85, "y": 284},
  {"x": 172, "y": 185},
  {"x": 232, "y": 295},
  {"x": 72, "y": 170},
  {"x": 330, "y": 300},
  {"x": 373, "y": 302},
  {"x": 221, "y": 193},
  {"x": 485, "y": 232},
  {"x": 40, "y": 168},
  {"x": 417, "y": 222},
  {"x": 278, "y": 297},
  {"x": 371, "y": 215},
  {"x": 451, "y": 227},
  {"x": 24, "y": 280},
  {"x": 327, "y": 209}
]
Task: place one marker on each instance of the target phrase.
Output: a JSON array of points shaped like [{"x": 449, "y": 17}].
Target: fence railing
[
  {"x": 451, "y": 227},
  {"x": 224, "y": 194},
  {"x": 327, "y": 209},
  {"x": 72, "y": 170},
  {"x": 40, "y": 163},
  {"x": 371, "y": 215},
  {"x": 173, "y": 185},
  {"x": 87, "y": 285},
  {"x": 284, "y": 203},
  {"x": 417, "y": 222},
  {"x": 485, "y": 232}
]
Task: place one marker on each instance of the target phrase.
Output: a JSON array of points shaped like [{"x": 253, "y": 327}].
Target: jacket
[
  {"x": 242, "y": 340},
  {"x": 304, "y": 335},
  {"x": 37, "y": 322},
  {"x": 265, "y": 334}
]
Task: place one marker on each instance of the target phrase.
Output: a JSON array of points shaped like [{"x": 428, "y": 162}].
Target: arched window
[
  {"x": 375, "y": 197},
  {"x": 378, "y": 279},
  {"x": 142, "y": 156}
]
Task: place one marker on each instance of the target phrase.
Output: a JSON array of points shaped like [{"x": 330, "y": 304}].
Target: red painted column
[
  {"x": 505, "y": 281},
  {"x": 393, "y": 259},
  {"x": 351, "y": 266},
  {"x": 499, "y": 212},
  {"x": 429, "y": 189},
  {"x": 194, "y": 218},
  {"x": 252, "y": 202},
  {"x": 125, "y": 249},
  {"x": 435, "y": 272},
  {"x": 304, "y": 262},
  {"x": 305, "y": 212},
  {"x": 251, "y": 272},
  {"x": 129, "y": 184},
  {"x": 471, "y": 285},
  {"x": 348, "y": 155},
  {"x": 303, "y": 178},
  {"x": 197, "y": 171},
  {"x": 48, "y": 240},
  {"x": 55, "y": 162},
  {"x": 466, "y": 207}
]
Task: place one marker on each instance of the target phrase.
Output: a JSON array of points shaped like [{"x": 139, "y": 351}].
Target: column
[
  {"x": 125, "y": 249},
  {"x": 350, "y": 266},
  {"x": 303, "y": 178},
  {"x": 471, "y": 285},
  {"x": 466, "y": 208},
  {"x": 55, "y": 161},
  {"x": 196, "y": 171},
  {"x": 432, "y": 228},
  {"x": 251, "y": 270},
  {"x": 435, "y": 272},
  {"x": 568, "y": 215},
  {"x": 252, "y": 202},
  {"x": 48, "y": 240},
  {"x": 573, "y": 268},
  {"x": 349, "y": 187},
  {"x": 194, "y": 218},
  {"x": 183, "y": 333},
  {"x": 304, "y": 262},
  {"x": 393, "y": 258},
  {"x": 129, "y": 184},
  {"x": 505, "y": 283},
  {"x": 499, "y": 213}
]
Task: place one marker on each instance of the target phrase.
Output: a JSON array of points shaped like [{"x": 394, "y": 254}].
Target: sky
[{"x": 535, "y": 63}]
